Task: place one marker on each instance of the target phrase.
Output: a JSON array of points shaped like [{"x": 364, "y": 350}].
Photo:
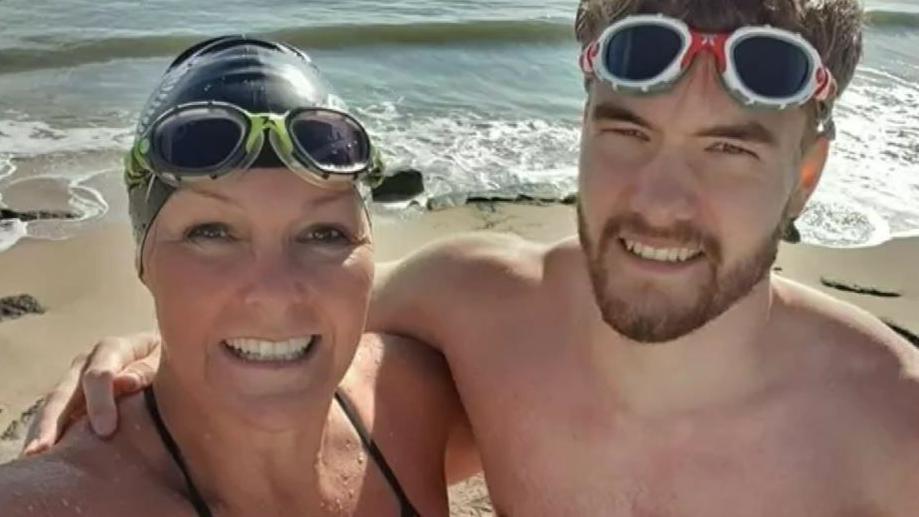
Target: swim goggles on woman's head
[
  {"x": 203, "y": 140},
  {"x": 760, "y": 65}
]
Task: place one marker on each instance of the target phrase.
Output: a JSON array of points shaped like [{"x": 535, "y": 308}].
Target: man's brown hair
[{"x": 833, "y": 27}]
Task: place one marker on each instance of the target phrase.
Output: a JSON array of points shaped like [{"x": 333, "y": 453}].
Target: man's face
[{"x": 683, "y": 199}]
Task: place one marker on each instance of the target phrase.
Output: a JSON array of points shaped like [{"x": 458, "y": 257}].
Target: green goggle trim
[{"x": 139, "y": 163}]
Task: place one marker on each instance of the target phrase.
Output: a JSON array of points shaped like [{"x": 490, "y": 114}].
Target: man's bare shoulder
[
  {"x": 479, "y": 258},
  {"x": 857, "y": 340},
  {"x": 446, "y": 284},
  {"x": 865, "y": 377}
]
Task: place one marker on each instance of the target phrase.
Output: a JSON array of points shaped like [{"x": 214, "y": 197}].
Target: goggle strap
[{"x": 589, "y": 57}]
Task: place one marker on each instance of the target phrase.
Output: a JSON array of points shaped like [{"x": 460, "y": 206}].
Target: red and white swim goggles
[{"x": 761, "y": 66}]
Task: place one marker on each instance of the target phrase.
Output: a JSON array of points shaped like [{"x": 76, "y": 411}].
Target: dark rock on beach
[
  {"x": 17, "y": 427},
  {"x": 12, "y": 307},
  {"x": 13, "y": 431},
  {"x": 401, "y": 186},
  {"x": 523, "y": 199},
  {"x": 450, "y": 201},
  {"x": 908, "y": 334},
  {"x": 32, "y": 215},
  {"x": 792, "y": 235},
  {"x": 857, "y": 289}
]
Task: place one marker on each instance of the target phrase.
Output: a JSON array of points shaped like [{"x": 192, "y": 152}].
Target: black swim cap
[{"x": 256, "y": 75}]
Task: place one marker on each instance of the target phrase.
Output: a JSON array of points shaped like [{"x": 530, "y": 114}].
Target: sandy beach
[{"x": 88, "y": 288}]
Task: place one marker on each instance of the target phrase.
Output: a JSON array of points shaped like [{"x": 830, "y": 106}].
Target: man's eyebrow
[
  {"x": 748, "y": 131},
  {"x": 614, "y": 113}
]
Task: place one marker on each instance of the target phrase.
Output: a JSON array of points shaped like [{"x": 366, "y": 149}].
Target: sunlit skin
[
  {"x": 261, "y": 255},
  {"x": 780, "y": 402},
  {"x": 691, "y": 169},
  {"x": 300, "y": 269}
]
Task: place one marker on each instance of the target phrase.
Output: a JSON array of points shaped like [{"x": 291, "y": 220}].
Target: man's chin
[{"x": 654, "y": 324}]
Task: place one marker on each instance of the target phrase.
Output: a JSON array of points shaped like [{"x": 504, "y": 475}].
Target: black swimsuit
[{"x": 200, "y": 505}]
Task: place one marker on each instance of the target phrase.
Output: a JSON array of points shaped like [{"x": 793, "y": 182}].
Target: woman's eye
[
  {"x": 726, "y": 148},
  {"x": 209, "y": 232},
  {"x": 325, "y": 235}
]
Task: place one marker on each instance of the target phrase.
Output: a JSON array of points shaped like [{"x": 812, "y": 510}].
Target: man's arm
[{"x": 430, "y": 293}]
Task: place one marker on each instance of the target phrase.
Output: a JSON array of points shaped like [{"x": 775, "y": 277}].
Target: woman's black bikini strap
[
  {"x": 407, "y": 509},
  {"x": 172, "y": 447},
  {"x": 201, "y": 506}
]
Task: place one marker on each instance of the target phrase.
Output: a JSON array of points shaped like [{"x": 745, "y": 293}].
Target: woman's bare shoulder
[
  {"x": 86, "y": 475},
  {"x": 48, "y": 484}
]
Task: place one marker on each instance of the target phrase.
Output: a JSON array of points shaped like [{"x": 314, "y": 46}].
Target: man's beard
[{"x": 640, "y": 320}]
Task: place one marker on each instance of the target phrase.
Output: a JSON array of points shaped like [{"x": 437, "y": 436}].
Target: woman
[{"x": 245, "y": 189}]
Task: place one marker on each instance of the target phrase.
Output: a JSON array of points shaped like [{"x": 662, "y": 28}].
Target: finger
[
  {"x": 100, "y": 401},
  {"x": 135, "y": 377},
  {"x": 109, "y": 359},
  {"x": 55, "y": 410}
]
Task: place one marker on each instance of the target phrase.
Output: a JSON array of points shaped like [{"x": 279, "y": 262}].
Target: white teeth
[
  {"x": 262, "y": 350},
  {"x": 660, "y": 254}
]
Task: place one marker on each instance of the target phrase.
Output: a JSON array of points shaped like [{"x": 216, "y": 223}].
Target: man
[{"x": 654, "y": 366}]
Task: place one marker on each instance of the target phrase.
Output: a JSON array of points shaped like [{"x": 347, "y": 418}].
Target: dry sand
[{"x": 89, "y": 288}]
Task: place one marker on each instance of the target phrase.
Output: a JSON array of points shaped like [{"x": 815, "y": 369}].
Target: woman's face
[{"x": 261, "y": 283}]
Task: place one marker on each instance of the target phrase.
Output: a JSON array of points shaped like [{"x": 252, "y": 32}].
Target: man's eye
[
  {"x": 627, "y": 132},
  {"x": 726, "y": 148},
  {"x": 209, "y": 232}
]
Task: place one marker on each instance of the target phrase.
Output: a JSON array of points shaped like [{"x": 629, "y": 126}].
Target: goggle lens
[
  {"x": 332, "y": 140},
  {"x": 642, "y": 52},
  {"x": 189, "y": 143},
  {"x": 771, "y": 67}
]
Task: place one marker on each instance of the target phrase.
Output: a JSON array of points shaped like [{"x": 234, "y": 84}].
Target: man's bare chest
[
  {"x": 559, "y": 475},
  {"x": 549, "y": 448}
]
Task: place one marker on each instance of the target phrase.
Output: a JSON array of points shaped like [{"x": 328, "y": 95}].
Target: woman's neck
[{"x": 237, "y": 464}]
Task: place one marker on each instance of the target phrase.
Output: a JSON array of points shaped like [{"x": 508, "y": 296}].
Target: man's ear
[{"x": 809, "y": 172}]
